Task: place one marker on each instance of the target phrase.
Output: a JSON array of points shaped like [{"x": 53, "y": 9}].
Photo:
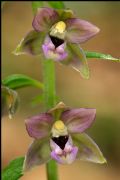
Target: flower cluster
[
  {"x": 59, "y": 135},
  {"x": 57, "y": 35}
]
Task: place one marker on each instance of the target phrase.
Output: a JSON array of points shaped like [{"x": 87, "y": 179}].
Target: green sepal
[{"x": 88, "y": 149}]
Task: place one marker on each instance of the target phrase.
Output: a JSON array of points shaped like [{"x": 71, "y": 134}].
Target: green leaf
[
  {"x": 14, "y": 170},
  {"x": 88, "y": 149},
  {"x": 90, "y": 54},
  {"x": 57, "y": 4},
  {"x": 16, "y": 81},
  {"x": 10, "y": 101},
  {"x": 36, "y": 5}
]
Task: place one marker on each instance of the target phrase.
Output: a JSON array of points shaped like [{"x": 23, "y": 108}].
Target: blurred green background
[{"x": 102, "y": 91}]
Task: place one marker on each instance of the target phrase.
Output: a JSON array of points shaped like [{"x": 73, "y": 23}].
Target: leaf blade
[
  {"x": 13, "y": 170},
  {"x": 16, "y": 81},
  {"x": 91, "y": 54}
]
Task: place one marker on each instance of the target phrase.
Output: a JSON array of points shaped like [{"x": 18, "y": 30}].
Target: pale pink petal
[
  {"x": 78, "y": 120},
  {"x": 44, "y": 19},
  {"x": 79, "y": 31},
  {"x": 39, "y": 126}
]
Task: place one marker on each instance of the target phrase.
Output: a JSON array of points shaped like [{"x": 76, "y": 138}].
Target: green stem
[
  {"x": 50, "y": 101},
  {"x": 49, "y": 97},
  {"x": 49, "y": 83}
]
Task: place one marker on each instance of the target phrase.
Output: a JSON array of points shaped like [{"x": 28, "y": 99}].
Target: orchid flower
[
  {"x": 59, "y": 134},
  {"x": 57, "y": 35}
]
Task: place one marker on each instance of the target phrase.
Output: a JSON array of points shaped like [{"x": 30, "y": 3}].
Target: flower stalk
[
  {"x": 49, "y": 83},
  {"x": 50, "y": 101}
]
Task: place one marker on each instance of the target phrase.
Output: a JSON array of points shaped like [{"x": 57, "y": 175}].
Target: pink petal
[
  {"x": 39, "y": 126},
  {"x": 50, "y": 52},
  {"x": 67, "y": 159},
  {"x": 79, "y": 31},
  {"x": 64, "y": 155},
  {"x": 78, "y": 120},
  {"x": 44, "y": 19}
]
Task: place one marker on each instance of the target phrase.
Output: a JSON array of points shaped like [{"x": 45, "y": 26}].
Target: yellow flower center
[
  {"x": 58, "y": 30},
  {"x": 59, "y": 125},
  {"x": 60, "y": 26}
]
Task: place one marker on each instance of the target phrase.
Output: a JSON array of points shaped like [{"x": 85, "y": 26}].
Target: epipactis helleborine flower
[
  {"x": 57, "y": 34},
  {"x": 59, "y": 135}
]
